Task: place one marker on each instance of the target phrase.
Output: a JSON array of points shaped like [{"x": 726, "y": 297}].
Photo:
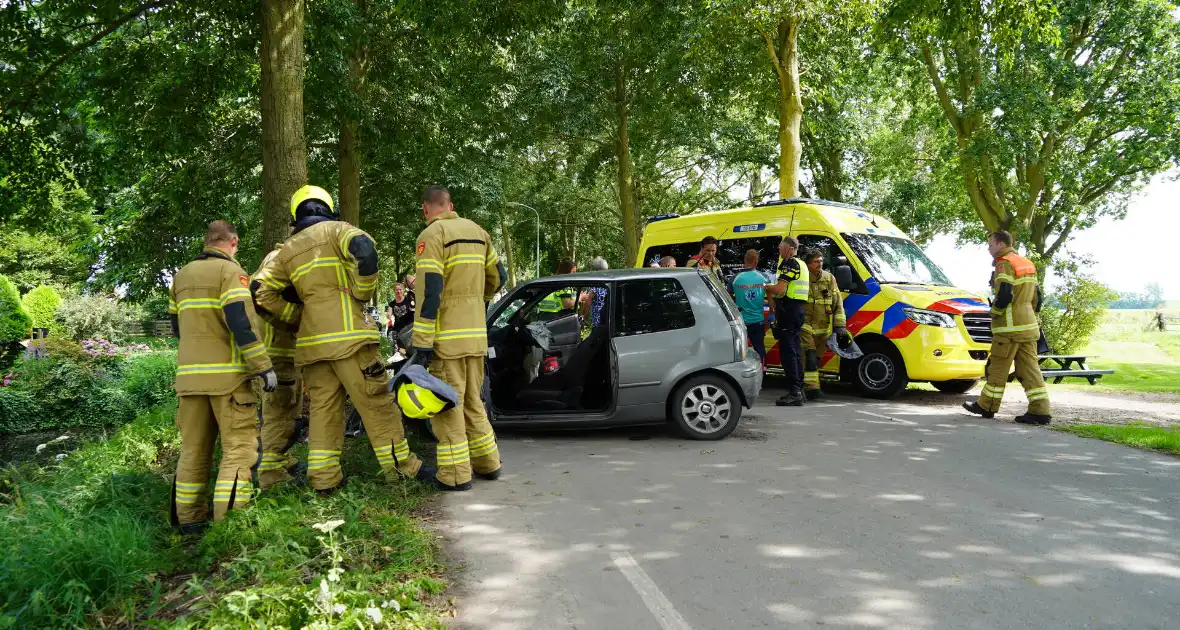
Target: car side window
[{"x": 655, "y": 305}]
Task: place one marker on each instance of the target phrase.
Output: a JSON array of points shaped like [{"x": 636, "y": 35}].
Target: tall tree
[
  {"x": 284, "y": 150},
  {"x": 1059, "y": 108}
]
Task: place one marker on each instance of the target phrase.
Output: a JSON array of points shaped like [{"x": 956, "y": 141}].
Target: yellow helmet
[
  {"x": 418, "y": 402},
  {"x": 310, "y": 192},
  {"x": 420, "y": 394}
]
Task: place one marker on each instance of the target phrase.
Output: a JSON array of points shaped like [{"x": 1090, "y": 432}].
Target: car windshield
[{"x": 896, "y": 260}]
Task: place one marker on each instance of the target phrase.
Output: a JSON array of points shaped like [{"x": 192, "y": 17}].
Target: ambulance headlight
[{"x": 929, "y": 318}]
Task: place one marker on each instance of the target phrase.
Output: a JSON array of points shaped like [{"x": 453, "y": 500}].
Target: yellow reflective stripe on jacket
[
  {"x": 427, "y": 327},
  {"x": 430, "y": 264},
  {"x": 492, "y": 259},
  {"x": 366, "y": 284},
  {"x": 465, "y": 259},
  {"x": 461, "y": 333},
  {"x": 345, "y": 298},
  {"x": 198, "y": 303},
  {"x": 171, "y": 306},
  {"x": 288, "y": 314},
  {"x": 211, "y": 368},
  {"x": 315, "y": 340},
  {"x": 270, "y": 282},
  {"x": 1021, "y": 328},
  {"x": 302, "y": 270},
  {"x": 233, "y": 294},
  {"x": 250, "y": 353}
]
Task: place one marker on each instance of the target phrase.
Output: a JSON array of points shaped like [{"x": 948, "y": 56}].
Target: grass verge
[
  {"x": 87, "y": 544},
  {"x": 1139, "y": 436}
]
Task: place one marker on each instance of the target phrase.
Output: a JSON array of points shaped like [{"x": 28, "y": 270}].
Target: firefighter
[
  {"x": 791, "y": 292},
  {"x": 220, "y": 351},
  {"x": 1015, "y": 331},
  {"x": 319, "y": 282},
  {"x": 707, "y": 259},
  {"x": 280, "y": 408},
  {"x": 460, "y": 273},
  {"x": 823, "y": 316}
]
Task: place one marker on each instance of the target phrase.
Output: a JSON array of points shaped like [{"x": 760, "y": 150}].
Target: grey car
[{"x": 623, "y": 347}]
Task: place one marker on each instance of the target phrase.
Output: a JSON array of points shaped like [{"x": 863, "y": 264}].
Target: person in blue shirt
[{"x": 748, "y": 288}]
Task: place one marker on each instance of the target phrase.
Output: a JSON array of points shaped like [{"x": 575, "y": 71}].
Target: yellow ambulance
[{"x": 911, "y": 323}]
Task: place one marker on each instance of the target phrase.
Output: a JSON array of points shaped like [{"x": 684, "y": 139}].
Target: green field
[
  {"x": 1139, "y": 436},
  {"x": 1144, "y": 359}
]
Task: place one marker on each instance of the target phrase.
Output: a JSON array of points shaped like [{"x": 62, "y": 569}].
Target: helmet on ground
[
  {"x": 313, "y": 194},
  {"x": 421, "y": 395}
]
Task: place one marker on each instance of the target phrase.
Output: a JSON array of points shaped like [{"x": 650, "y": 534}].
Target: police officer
[
  {"x": 220, "y": 351},
  {"x": 280, "y": 408},
  {"x": 554, "y": 304},
  {"x": 1015, "y": 331},
  {"x": 460, "y": 272},
  {"x": 791, "y": 291},
  {"x": 320, "y": 281},
  {"x": 823, "y": 315}
]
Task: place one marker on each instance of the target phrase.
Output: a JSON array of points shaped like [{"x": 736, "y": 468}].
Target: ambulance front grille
[{"x": 979, "y": 326}]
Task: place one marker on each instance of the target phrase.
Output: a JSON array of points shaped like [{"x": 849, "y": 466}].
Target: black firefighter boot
[
  {"x": 793, "y": 398},
  {"x": 814, "y": 394},
  {"x": 1034, "y": 418},
  {"x": 974, "y": 408}
]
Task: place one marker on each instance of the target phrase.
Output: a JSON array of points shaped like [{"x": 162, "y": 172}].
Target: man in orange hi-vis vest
[{"x": 1015, "y": 331}]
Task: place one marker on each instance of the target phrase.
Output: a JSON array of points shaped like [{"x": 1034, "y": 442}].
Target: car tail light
[{"x": 739, "y": 340}]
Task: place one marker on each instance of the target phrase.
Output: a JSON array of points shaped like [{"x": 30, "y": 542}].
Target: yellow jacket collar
[{"x": 449, "y": 214}]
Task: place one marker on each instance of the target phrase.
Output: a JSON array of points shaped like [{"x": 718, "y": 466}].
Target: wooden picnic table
[{"x": 1060, "y": 366}]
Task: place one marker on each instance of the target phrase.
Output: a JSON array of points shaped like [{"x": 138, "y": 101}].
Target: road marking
[
  {"x": 892, "y": 419},
  {"x": 659, "y": 605}
]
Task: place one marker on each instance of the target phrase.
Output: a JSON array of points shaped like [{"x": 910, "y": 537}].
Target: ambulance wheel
[
  {"x": 880, "y": 373},
  {"x": 705, "y": 407},
  {"x": 957, "y": 386}
]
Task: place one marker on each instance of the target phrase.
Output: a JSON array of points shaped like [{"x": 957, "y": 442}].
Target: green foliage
[
  {"x": 93, "y": 317},
  {"x": 1070, "y": 316},
  {"x": 1152, "y": 296},
  {"x": 147, "y": 379},
  {"x": 41, "y": 305},
  {"x": 87, "y": 544},
  {"x": 15, "y": 323}
]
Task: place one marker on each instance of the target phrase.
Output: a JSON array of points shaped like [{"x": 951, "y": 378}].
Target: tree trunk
[
  {"x": 757, "y": 186},
  {"x": 284, "y": 151},
  {"x": 349, "y": 202},
  {"x": 790, "y": 109},
  {"x": 350, "y": 142},
  {"x": 623, "y": 155},
  {"x": 509, "y": 259}
]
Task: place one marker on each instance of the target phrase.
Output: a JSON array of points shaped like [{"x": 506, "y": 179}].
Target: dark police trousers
[{"x": 788, "y": 328}]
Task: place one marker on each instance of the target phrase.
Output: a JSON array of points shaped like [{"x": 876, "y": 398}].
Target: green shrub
[
  {"x": 1071, "y": 315},
  {"x": 70, "y": 387},
  {"x": 41, "y": 305},
  {"x": 93, "y": 317},
  {"x": 15, "y": 323},
  {"x": 148, "y": 378}
]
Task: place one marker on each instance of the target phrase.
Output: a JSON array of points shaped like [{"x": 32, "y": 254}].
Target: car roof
[{"x": 612, "y": 275}]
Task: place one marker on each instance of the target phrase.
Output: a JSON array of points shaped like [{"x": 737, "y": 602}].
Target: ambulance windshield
[{"x": 894, "y": 260}]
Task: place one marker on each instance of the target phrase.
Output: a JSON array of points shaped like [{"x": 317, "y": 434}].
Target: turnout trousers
[
  {"x": 201, "y": 420},
  {"x": 280, "y": 409},
  {"x": 814, "y": 345},
  {"x": 999, "y": 363},
  {"x": 465, "y": 437},
  {"x": 362, "y": 377}
]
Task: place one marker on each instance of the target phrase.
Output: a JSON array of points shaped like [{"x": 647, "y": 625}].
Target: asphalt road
[{"x": 847, "y": 513}]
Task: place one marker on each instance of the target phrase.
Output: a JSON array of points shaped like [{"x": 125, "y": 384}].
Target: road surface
[{"x": 848, "y": 513}]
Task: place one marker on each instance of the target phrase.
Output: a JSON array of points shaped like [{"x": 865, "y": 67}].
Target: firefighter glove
[
  {"x": 841, "y": 332},
  {"x": 421, "y": 356},
  {"x": 270, "y": 381}
]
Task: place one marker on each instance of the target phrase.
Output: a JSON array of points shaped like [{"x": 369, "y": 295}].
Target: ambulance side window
[
  {"x": 831, "y": 251},
  {"x": 682, "y": 252}
]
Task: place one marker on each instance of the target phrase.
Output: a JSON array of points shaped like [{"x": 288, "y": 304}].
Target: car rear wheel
[
  {"x": 880, "y": 373},
  {"x": 956, "y": 386},
  {"x": 705, "y": 407}
]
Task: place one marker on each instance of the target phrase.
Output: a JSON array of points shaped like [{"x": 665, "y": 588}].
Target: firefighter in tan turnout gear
[
  {"x": 280, "y": 408},
  {"x": 1015, "y": 331},
  {"x": 461, "y": 273},
  {"x": 823, "y": 315},
  {"x": 220, "y": 351},
  {"x": 319, "y": 282}
]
